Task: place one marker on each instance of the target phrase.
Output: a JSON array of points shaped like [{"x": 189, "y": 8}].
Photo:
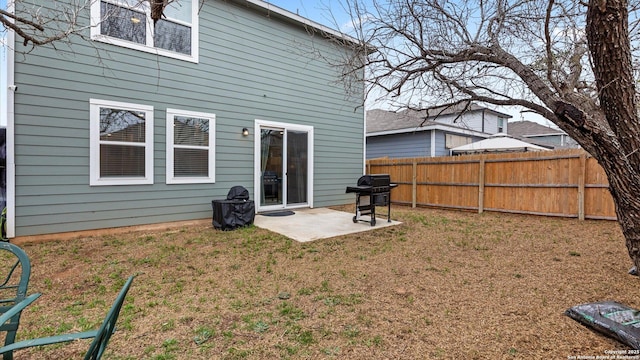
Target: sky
[
  {"x": 330, "y": 13},
  {"x": 320, "y": 11}
]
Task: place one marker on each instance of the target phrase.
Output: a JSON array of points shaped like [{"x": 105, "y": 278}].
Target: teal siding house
[{"x": 143, "y": 124}]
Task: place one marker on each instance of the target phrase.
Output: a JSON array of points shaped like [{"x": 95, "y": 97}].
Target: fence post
[
  {"x": 481, "y": 186},
  {"x": 414, "y": 184},
  {"x": 581, "y": 185}
]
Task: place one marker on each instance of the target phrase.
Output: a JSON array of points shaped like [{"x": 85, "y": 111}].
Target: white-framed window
[
  {"x": 190, "y": 147},
  {"x": 121, "y": 143},
  {"x": 501, "y": 122},
  {"x": 128, "y": 23}
]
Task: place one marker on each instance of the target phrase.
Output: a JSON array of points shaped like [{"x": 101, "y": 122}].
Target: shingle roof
[
  {"x": 455, "y": 109},
  {"x": 526, "y": 128},
  {"x": 383, "y": 120}
]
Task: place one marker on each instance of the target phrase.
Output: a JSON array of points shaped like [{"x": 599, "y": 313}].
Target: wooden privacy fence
[{"x": 568, "y": 183}]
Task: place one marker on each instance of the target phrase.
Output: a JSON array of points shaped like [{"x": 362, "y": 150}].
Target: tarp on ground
[{"x": 610, "y": 318}]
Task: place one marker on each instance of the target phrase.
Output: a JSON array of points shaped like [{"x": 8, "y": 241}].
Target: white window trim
[
  {"x": 97, "y": 36},
  {"x": 257, "y": 171},
  {"x": 171, "y": 179},
  {"x": 94, "y": 142}
]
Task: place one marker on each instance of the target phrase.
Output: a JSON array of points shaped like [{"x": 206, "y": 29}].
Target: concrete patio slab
[{"x": 320, "y": 223}]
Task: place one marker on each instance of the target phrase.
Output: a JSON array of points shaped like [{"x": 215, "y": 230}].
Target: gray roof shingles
[
  {"x": 383, "y": 120},
  {"x": 527, "y": 128}
]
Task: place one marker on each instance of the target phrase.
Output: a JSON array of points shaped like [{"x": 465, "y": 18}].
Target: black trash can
[{"x": 235, "y": 211}]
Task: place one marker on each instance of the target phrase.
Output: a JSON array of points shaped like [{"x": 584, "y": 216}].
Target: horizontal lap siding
[
  {"x": 250, "y": 68},
  {"x": 413, "y": 144}
]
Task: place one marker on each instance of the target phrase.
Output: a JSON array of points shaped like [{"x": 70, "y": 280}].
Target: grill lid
[{"x": 375, "y": 180}]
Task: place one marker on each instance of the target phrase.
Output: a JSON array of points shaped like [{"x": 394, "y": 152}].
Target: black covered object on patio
[{"x": 235, "y": 211}]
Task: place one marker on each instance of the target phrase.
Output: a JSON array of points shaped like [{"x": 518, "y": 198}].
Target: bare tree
[
  {"x": 571, "y": 62},
  {"x": 57, "y": 21},
  {"x": 39, "y": 25}
]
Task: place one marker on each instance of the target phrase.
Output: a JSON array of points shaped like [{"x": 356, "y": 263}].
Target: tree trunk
[
  {"x": 624, "y": 186},
  {"x": 608, "y": 39}
]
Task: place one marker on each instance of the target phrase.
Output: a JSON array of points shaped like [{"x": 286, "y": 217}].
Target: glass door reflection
[{"x": 271, "y": 165}]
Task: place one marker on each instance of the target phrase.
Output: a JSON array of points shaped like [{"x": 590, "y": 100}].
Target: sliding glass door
[{"x": 283, "y": 165}]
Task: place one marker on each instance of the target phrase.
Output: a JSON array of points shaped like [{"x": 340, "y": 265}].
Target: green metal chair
[
  {"x": 100, "y": 337},
  {"x": 14, "y": 288}
]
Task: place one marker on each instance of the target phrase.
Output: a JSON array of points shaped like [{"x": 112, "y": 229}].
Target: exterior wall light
[{"x": 245, "y": 132}]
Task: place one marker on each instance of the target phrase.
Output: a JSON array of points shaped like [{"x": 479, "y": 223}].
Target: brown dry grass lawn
[{"x": 443, "y": 285}]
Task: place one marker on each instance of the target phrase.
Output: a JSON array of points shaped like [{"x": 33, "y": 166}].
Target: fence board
[{"x": 566, "y": 183}]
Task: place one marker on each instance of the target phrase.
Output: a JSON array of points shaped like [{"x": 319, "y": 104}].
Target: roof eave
[
  {"x": 543, "y": 135},
  {"x": 442, "y": 127},
  {"x": 273, "y": 10}
]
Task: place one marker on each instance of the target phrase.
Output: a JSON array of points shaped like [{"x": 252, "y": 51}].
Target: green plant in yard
[
  {"x": 127, "y": 315},
  {"x": 233, "y": 353},
  {"x": 164, "y": 357},
  {"x": 75, "y": 309},
  {"x": 203, "y": 334},
  {"x": 375, "y": 341},
  {"x": 351, "y": 331},
  {"x": 168, "y": 325},
  {"x": 305, "y": 291},
  {"x": 86, "y": 325},
  {"x": 48, "y": 283},
  {"x": 260, "y": 327},
  {"x": 338, "y": 299},
  {"x": 305, "y": 337},
  {"x": 288, "y": 350},
  {"x": 170, "y": 345},
  {"x": 289, "y": 311},
  {"x": 331, "y": 351}
]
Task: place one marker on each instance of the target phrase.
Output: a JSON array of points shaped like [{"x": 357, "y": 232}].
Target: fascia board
[
  {"x": 273, "y": 9},
  {"x": 451, "y": 129}
]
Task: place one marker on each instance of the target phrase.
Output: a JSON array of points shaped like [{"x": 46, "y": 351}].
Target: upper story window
[
  {"x": 129, "y": 23},
  {"x": 121, "y": 143},
  {"x": 501, "y": 122},
  {"x": 190, "y": 147}
]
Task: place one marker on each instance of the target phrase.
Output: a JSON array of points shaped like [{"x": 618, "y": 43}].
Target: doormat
[{"x": 278, "y": 213}]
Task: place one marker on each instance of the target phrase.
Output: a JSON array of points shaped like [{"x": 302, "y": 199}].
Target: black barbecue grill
[{"x": 371, "y": 191}]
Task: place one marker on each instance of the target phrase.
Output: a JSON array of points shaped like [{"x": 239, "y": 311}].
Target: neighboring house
[
  {"x": 411, "y": 133},
  {"x": 148, "y": 124},
  {"x": 535, "y": 133}
]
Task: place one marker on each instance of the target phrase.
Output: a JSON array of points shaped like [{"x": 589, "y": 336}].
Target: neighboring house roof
[
  {"x": 384, "y": 122},
  {"x": 456, "y": 109},
  {"x": 527, "y": 128},
  {"x": 496, "y": 143},
  {"x": 381, "y": 121}
]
